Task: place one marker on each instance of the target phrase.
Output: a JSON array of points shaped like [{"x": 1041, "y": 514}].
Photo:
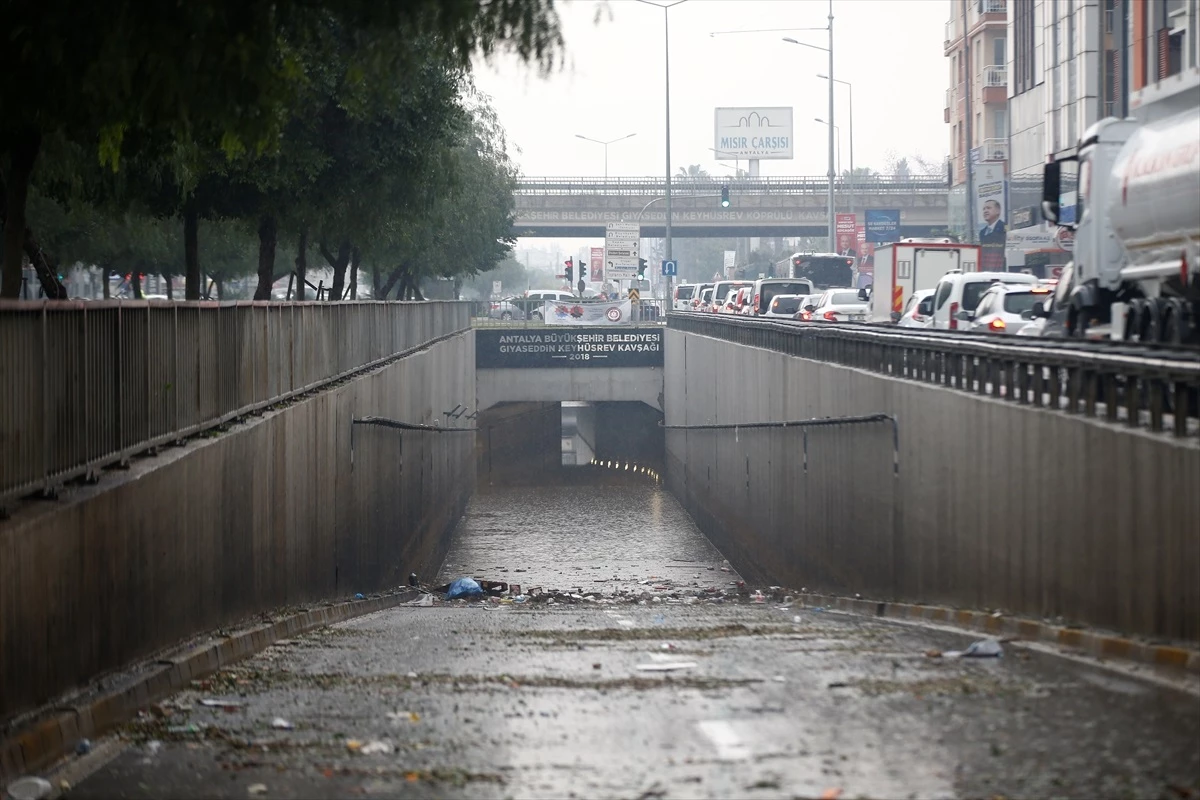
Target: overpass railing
[
  {"x": 517, "y": 312},
  {"x": 1146, "y": 387},
  {"x": 684, "y": 186},
  {"x": 84, "y": 385}
]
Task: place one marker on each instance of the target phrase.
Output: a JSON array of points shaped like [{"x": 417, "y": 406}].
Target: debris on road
[
  {"x": 216, "y": 702},
  {"x": 256, "y": 789},
  {"x": 376, "y": 747},
  {"x": 984, "y": 648},
  {"x": 463, "y": 587},
  {"x": 281, "y": 724},
  {"x": 30, "y": 788},
  {"x": 424, "y": 601},
  {"x": 666, "y": 666},
  {"x": 83, "y": 747}
]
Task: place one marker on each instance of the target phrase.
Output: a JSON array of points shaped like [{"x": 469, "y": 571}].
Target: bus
[{"x": 825, "y": 270}]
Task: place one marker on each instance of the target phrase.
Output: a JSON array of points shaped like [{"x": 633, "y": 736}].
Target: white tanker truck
[{"x": 1131, "y": 195}]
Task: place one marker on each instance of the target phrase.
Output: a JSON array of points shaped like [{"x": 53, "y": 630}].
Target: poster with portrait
[{"x": 990, "y": 196}]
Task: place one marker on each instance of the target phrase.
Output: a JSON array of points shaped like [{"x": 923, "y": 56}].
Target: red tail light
[
  {"x": 676, "y": 295},
  {"x": 805, "y": 314},
  {"x": 756, "y": 301},
  {"x": 997, "y": 325},
  {"x": 953, "y": 317},
  {"x": 831, "y": 315},
  {"x": 495, "y": 305}
]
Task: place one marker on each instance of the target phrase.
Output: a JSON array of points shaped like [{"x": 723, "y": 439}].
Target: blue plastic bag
[{"x": 464, "y": 587}]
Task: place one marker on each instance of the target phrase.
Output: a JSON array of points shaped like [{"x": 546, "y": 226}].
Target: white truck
[
  {"x": 1131, "y": 196},
  {"x": 910, "y": 265}
]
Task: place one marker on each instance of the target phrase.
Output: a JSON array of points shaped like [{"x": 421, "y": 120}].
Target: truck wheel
[
  {"x": 1175, "y": 322},
  {"x": 1151, "y": 328},
  {"x": 1077, "y": 321},
  {"x": 1133, "y": 319}
]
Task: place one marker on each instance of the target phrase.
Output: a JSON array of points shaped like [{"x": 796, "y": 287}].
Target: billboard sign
[
  {"x": 753, "y": 133},
  {"x": 847, "y": 240},
  {"x": 883, "y": 225},
  {"x": 990, "y": 197},
  {"x": 596, "y": 271},
  {"x": 866, "y": 261},
  {"x": 572, "y": 347}
]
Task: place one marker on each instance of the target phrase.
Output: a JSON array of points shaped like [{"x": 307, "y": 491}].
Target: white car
[
  {"x": 725, "y": 296},
  {"x": 1001, "y": 308},
  {"x": 784, "y": 305},
  {"x": 918, "y": 313},
  {"x": 705, "y": 301},
  {"x": 684, "y": 293},
  {"x": 957, "y": 294},
  {"x": 840, "y": 305}
]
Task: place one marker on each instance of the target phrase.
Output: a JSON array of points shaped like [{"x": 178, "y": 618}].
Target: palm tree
[{"x": 693, "y": 171}]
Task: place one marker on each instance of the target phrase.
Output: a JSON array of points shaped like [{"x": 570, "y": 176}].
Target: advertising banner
[
  {"x": 866, "y": 258},
  {"x": 596, "y": 271},
  {"x": 883, "y": 225},
  {"x": 510, "y": 348},
  {"x": 579, "y": 313},
  {"x": 847, "y": 241},
  {"x": 753, "y": 133},
  {"x": 989, "y": 215}
]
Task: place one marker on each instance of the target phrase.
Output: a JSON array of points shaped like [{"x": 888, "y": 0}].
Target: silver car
[
  {"x": 1002, "y": 308},
  {"x": 784, "y": 305},
  {"x": 840, "y": 305}
]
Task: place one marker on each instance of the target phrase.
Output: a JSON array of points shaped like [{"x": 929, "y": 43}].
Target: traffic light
[
  {"x": 795, "y": 261},
  {"x": 570, "y": 269},
  {"x": 582, "y": 269},
  {"x": 724, "y": 197}
]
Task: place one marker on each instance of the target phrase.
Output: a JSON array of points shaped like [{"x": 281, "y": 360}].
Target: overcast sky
[{"x": 612, "y": 84}]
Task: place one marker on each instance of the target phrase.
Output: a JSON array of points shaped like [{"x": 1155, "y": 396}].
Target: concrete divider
[
  {"x": 286, "y": 508},
  {"x": 994, "y": 506}
]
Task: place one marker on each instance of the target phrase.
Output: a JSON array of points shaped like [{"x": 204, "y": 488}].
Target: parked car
[
  {"x": 805, "y": 301},
  {"x": 918, "y": 313},
  {"x": 958, "y": 292},
  {"x": 506, "y": 309},
  {"x": 840, "y": 305},
  {"x": 1003, "y": 307},
  {"x": 697, "y": 301},
  {"x": 532, "y": 302},
  {"x": 783, "y": 306},
  {"x": 705, "y": 302},
  {"x": 767, "y": 288}
]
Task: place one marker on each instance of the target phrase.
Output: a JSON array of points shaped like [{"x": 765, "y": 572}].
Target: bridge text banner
[{"x": 568, "y": 347}]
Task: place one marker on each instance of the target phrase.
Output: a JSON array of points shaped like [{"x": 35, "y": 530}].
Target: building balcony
[
  {"x": 994, "y": 84},
  {"x": 994, "y": 150},
  {"x": 987, "y": 14},
  {"x": 949, "y": 105}
]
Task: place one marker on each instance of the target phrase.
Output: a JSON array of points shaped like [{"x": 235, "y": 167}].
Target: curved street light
[{"x": 606, "y": 144}]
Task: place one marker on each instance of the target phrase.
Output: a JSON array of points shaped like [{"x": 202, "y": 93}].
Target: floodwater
[{"x": 591, "y": 538}]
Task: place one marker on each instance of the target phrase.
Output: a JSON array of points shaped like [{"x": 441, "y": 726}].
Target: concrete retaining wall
[
  {"x": 291, "y": 507},
  {"x": 995, "y": 505}
]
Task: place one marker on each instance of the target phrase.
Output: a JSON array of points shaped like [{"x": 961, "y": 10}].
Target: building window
[
  {"x": 1000, "y": 123},
  {"x": 999, "y": 51}
]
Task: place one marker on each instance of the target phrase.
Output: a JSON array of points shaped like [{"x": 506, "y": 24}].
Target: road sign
[
  {"x": 496, "y": 287},
  {"x": 635, "y": 295},
  {"x": 622, "y": 241},
  {"x": 670, "y": 268}
]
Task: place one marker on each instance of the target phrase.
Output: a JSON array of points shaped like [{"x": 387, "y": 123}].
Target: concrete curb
[
  {"x": 1100, "y": 645},
  {"x": 51, "y": 738}
]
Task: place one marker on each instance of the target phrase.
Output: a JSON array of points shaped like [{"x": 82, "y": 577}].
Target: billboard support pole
[
  {"x": 832, "y": 240},
  {"x": 972, "y": 233}
]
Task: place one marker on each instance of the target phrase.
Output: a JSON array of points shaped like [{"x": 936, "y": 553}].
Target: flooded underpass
[{"x": 632, "y": 664}]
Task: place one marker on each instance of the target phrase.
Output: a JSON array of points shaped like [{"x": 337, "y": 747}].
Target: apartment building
[
  {"x": 1074, "y": 62},
  {"x": 985, "y": 71}
]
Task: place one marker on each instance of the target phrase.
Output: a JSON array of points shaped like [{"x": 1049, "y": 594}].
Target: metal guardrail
[
  {"x": 685, "y": 186},
  {"x": 1157, "y": 389},
  {"x": 520, "y": 313},
  {"x": 88, "y": 384}
]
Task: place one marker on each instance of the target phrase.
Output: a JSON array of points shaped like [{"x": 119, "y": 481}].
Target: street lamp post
[
  {"x": 839, "y": 143},
  {"x": 850, "y": 89},
  {"x": 666, "y": 7},
  {"x": 829, "y": 188},
  {"x": 606, "y": 144}
]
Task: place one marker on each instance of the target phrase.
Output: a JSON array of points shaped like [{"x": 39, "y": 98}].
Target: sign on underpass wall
[{"x": 576, "y": 347}]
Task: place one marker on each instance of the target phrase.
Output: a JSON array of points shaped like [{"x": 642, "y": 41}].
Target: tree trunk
[
  {"x": 22, "y": 154},
  {"x": 105, "y": 276},
  {"x": 389, "y": 284},
  {"x": 302, "y": 263},
  {"x": 170, "y": 287},
  {"x": 376, "y": 282},
  {"x": 355, "y": 258},
  {"x": 136, "y": 281},
  {"x": 339, "y": 264},
  {"x": 191, "y": 252},
  {"x": 267, "y": 234},
  {"x": 220, "y": 285}
]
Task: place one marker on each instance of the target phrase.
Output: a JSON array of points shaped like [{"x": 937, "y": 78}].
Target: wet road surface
[{"x": 693, "y": 694}]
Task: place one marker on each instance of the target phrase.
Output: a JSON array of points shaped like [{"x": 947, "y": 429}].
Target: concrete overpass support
[
  {"x": 977, "y": 503},
  {"x": 519, "y": 442},
  {"x": 289, "y": 507}
]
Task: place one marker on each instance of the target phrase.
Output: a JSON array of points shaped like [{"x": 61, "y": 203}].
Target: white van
[
  {"x": 958, "y": 293},
  {"x": 765, "y": 289}
]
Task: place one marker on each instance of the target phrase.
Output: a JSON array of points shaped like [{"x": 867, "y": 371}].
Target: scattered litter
[
  {"x": 758, "y": 597},
  {"x": 819, "y": 609},
  {"x": 412, "y": 579},
  {"x": 281, "y": 724},
  {"x": 595, "y": 666},
  {"x": 985, "y": 648},
  {"x": 668, "y": 646},
  {"x": 256, "y": 789},
  {"x": 84, "y": 747},
  {"x": 520, "y": 598},
  {"x": 397, "y": 717},
  {"x": 832, "y": 793},
  {"x": 410, "y": 675},
  {"x": 376, "y": 747},
  {"x": 358, "y": 596},
  {"x": 779, "y": 679},
  {"x": 666, "y": 666},
  {"x": 424, "y": 601},
  {"x": 796, "y": 619},
  {"x": 64, "y": 785},
  {"x": 214, "y": 702},
  {"x": 353, "y": 745},
  {"x": 190, "y": 728},
  {"x": 29, "y": 789},
  {"x": 933, "y": 653},
  {"x": 837, "y": 685},
  {"x": 153, "y": 746},
  {"x": 464, "y": 587}
]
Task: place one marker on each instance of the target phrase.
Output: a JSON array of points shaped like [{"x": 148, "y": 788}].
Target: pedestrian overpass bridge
[
  {"x": 316, "y": 452},
  {"x": 759, "y": 206}
]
